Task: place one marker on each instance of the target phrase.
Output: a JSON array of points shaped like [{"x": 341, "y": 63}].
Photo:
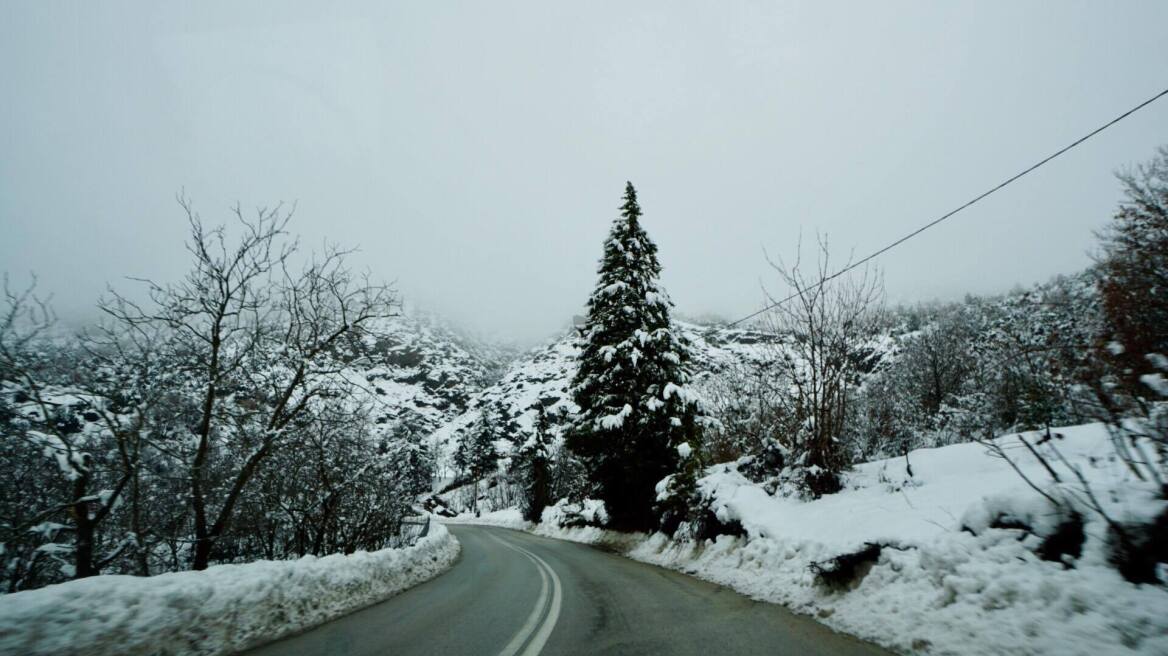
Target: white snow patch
[
  {"x": 505, "y": 518},
  {"x": 1156, "y": 383},
  {"x": 614, "y": 421},
  {"x": 223, "y": 610}
]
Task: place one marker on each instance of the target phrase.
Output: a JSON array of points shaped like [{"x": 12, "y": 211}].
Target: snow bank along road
[{"x": 516, "y": 594}]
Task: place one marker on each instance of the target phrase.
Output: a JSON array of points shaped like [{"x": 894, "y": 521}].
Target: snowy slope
[
  {"x": 420, "y": 372},
  {"x": 413, "y": 370},
  {"x": 546, "y": 373},
  {"x": 948, "y": 583},
  {"x": 950, "y": 488}
]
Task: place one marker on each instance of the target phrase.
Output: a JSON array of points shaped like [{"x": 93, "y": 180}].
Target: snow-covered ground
[
  {"x": 937, "y": 589},
  {"x": 505, "y": 518},
  {"x": 223, "y": 610}
]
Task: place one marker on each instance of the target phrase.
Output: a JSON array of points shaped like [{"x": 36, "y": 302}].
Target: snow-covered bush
[
  {"x": 687, "y": 512},
  {"x": 974, "y": 369},
  {"x": 1058, "y": 528},
  {"x": 566, "y": 514}
]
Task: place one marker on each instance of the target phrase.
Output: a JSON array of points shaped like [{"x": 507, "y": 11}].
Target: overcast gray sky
[{"x": 476, "y": 152}]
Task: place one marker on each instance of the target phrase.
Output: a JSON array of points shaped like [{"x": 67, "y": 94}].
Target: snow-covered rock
[{"x": 420, "y": 372}]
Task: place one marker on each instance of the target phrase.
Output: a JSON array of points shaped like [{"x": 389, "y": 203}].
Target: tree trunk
[{"x": 83, "y": 562}]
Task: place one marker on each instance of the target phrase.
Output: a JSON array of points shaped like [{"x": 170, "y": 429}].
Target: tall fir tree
[
  {"x": 532, "y": 464},
  {"x": 409, "y": 450},
  {"x": 476, "y": 456},
  {"x": 480, "y": 455},
  {"x": 635, "y": 409}
]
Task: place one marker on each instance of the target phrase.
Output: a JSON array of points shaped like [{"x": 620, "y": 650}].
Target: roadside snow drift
[
  {"x": 947, "y": 583},
  {"x": 957, "y": 570},
  {"x": 225, "y": 609}
]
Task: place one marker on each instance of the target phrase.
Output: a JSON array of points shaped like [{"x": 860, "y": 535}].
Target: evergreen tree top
[
  {"x": 630, "y": 210},
  {"x": 631, "y": 357},
  {"x": 630, "y": 260}
]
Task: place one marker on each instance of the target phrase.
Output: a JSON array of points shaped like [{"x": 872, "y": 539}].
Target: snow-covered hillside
[
  {"x": 544, "y": 374},
  {"x": 420, "y": 372},
  {"x": 69, "y": 430}
]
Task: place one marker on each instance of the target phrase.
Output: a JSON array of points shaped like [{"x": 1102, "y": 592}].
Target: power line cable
[{"x": 949, "y": 214}]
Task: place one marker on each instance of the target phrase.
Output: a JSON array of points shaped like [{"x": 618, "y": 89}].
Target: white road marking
[
  {"x": 553, "y": 616},
  {"x": 553, "y": 612},
  {"x": 529, "y": 626}
]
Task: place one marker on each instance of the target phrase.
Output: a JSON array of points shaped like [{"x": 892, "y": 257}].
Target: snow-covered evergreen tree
[
  {"x": 476, "y": 456},
  {"x": 532, "y": 464},
  {"x": 569, "y": 481},
  {"x": 635, "y": 409},
  {"x": 415, "y": 461}
]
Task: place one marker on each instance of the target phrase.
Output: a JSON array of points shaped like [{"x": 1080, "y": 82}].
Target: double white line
[{"x": 550, "y": 614}]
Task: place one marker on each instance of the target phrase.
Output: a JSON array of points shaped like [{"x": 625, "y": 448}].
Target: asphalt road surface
[{"x": 515, "y": 594}]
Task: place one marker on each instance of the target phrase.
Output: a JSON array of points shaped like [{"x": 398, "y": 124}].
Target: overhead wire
[{"x": 871, "y": 256}]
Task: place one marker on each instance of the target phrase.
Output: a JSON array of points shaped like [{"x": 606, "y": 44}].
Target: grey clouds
[{"x": 476, "y": 152}]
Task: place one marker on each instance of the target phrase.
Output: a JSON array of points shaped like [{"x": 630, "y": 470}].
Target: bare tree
[
  {"x": 132, "y": 390},
  {"x": 255, "y": 336},
  {"x": 87, "y": 486},
  {"x": 744, "y": 397},
  {"x": 26, "y": 317},
  {"x": 824, "y": 325}
]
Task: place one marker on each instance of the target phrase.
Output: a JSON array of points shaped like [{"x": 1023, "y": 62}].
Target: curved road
[{"x": 516, "y": 594}]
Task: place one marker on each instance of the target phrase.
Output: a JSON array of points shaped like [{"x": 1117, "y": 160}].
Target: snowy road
[{"x": 516, "y": 594}]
